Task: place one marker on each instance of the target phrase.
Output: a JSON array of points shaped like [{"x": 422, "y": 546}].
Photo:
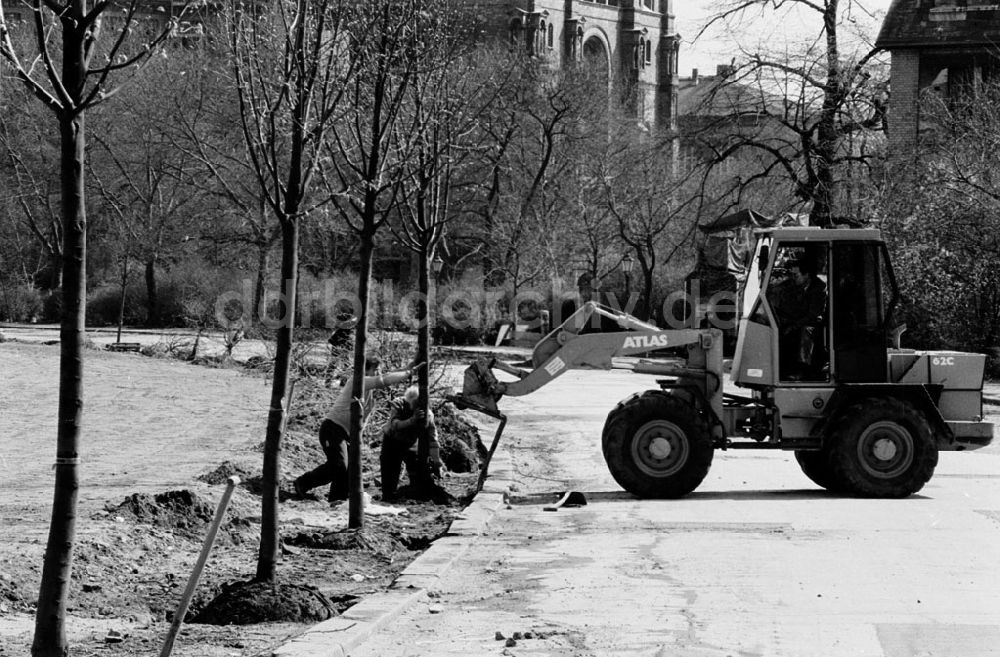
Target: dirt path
[{"x": 148, "y": 424}]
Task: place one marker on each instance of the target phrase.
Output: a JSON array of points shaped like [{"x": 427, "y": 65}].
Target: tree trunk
[
  {"x": 152, "y": 301},
  {"x": 356, "y": 510},
  {"x": 263, "y": 260},
  {"x": 424, "y": 304},
  {"x": 647, "y": 312},
  {"x": 827, "y": 134},
  {"x": 121, "y": 302},
  {"x": 55, "y": 277},
  {"x": 270, "y": 541},
  {"x": 50, "y": 617}
]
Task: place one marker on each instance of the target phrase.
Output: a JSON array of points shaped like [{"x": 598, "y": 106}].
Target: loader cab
[{"x": 816, "y": 309}]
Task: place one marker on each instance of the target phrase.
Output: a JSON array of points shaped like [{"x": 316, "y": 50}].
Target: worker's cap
[{"x": 411, "y": 394}]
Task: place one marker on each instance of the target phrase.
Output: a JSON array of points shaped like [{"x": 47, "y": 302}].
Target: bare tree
[
  {"x": 807, "y": 106},
  {"x": 290, "y": 78},
  {"x": 533, "y": 140},
  {"x": 654, "y": 209},
  {"x": 940, "y": 217},
  {"x": 71, "y": 29},
  {"x": 30, "y": 155},
  {"x": 143, "y": 178},
  {"x": 365, "y": 154},
  {"x": 440, "y": 115},
  {"x": 199, "y": 129}
]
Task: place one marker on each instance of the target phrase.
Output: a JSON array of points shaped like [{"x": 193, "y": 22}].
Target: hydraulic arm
[{"x": 568, "y": 347}]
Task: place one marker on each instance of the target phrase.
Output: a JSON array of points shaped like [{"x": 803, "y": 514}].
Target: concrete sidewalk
[{"x": 339, "y": 636}]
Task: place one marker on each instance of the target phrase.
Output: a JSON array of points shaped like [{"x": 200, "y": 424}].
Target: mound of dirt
[
  {"x": 226, "y": 469},
  {"x": 179, "y": 510},
  {"x": 365, "y": 540},
  {"x": 386, "y": 536},
  {"x": 13, "y": 596},
  {"x": 249, "y": 602},
  {"x": 461, "y": 448}
]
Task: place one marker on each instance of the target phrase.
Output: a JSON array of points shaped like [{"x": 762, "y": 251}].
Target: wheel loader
[{"x": 863, "y": 416}]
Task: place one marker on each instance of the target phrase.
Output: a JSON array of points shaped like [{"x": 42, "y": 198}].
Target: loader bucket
[{"x": 479, "y": 389}]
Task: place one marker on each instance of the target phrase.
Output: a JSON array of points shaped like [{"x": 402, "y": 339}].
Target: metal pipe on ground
[{"x": 199, "y": 566}]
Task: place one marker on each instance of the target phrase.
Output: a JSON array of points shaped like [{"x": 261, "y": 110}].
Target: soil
[{"x": 162, "y": 437}]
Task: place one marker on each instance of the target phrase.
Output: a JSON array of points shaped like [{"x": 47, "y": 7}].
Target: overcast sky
[{"x": 789, "y": 29}]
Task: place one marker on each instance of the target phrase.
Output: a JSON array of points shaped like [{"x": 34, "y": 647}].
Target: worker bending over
[{"x": 410, "y": 437}]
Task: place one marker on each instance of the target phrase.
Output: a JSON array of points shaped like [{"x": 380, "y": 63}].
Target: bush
[
  {"x": 104, "y": 302},
  {"x": 467, "y": 313},
  {"x": 20, "y": 303},
  {"x": 946, "y": 258},
  {"x": 187, "y": 294},
  {"x": 52, "y": 306}
]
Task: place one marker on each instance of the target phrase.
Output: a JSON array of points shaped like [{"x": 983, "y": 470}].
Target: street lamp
[{"x": 437, "y": 264}]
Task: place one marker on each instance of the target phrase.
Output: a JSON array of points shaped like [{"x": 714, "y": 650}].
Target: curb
[{"x": 336, "y": 637}]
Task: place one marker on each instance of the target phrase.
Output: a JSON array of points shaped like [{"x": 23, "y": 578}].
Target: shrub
[
  {"x": 52, "y": 306},
  {"x": 104, "y": 302},
  {"x": 188, "y": 294},
  {"x": 20, "y": 303},
  {"x": 467, "y": 313}
]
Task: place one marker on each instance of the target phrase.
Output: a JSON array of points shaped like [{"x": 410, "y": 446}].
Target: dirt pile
[
  {"x": 224, "y": 471},
  {"x": 248, "y": 603},
  {"x": 461, "y": 448},
  {"x": 14, "y": 596},
  {"x": 182, "y": 511},
  {"x": 387, "y": 536}
]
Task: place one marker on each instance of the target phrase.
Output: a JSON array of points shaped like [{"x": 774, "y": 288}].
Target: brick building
[
  {"x": 716, "y": 110},
  {"x": 633, "y": 40},
  {"x": 948, "y": 45}
]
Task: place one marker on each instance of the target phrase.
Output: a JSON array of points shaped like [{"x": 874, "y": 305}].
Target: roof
[
  {"x": 716, "y": 95},
  {"x": 817, "y": 234},
  {"x": 940, "y": 23}
]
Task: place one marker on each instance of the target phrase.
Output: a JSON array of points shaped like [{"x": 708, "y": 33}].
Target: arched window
[
  {"x": 550, "y": 39},
  {"x": 649, "y": 52},
  {"x": 540, "y": 37}
]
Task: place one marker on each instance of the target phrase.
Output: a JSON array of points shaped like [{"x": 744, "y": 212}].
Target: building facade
[
  {"x": 947, "y": 45},
  {"x": 633, "y": 40}
]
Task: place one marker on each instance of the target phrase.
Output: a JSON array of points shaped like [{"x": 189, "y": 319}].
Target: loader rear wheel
[
  {"x": 882, "y": 447},
  {"x": 657, "y": 445},
  {"x": 816, "y": 466}
]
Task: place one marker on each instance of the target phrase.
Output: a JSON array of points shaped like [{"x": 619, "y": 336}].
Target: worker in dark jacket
[
  {"x": 799, "y": 303},
  {"x": 410, "y": 437}
]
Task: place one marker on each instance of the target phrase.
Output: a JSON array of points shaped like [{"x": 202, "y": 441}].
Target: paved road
[{"x": 756, "y": 562}]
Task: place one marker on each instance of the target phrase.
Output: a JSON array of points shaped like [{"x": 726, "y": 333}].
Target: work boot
[{"x": 299, "y": 491}]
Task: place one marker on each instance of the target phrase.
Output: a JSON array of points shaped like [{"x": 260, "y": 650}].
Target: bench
[{"x": 123, "y": 346}]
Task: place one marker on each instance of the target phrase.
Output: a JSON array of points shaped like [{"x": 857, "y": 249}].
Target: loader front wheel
[
  {"x": 882, "y": 447},
  {"x": 657, "y": 445}
]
